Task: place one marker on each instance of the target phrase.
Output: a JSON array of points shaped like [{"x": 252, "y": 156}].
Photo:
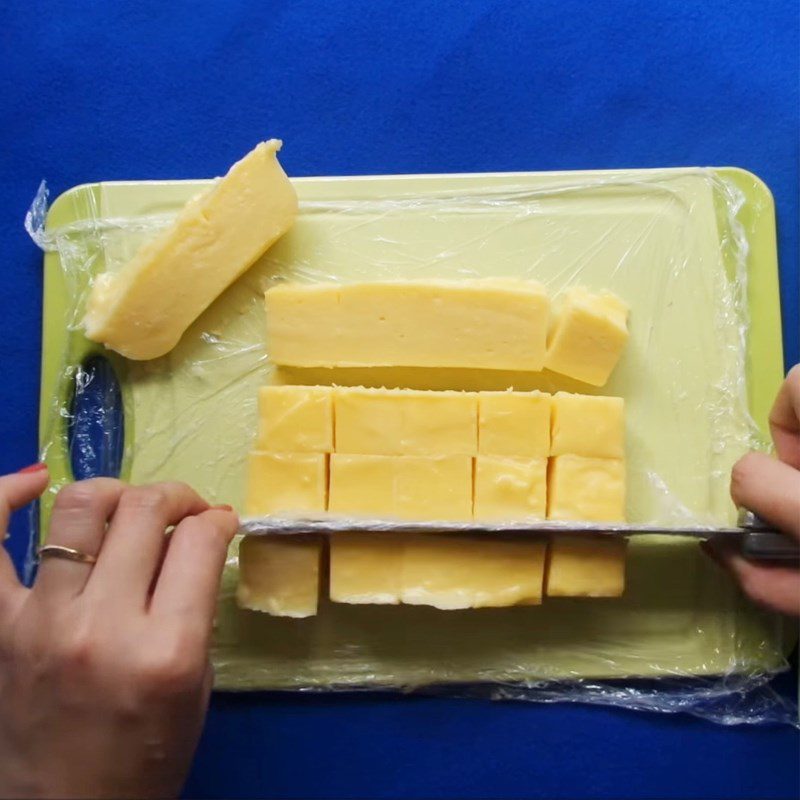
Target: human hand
[
  {"x": 104, "y": 671},
  {"x": 770, "y": 487}
]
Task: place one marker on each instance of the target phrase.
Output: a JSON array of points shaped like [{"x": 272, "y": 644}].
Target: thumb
[{"x": 769, "y": 488}]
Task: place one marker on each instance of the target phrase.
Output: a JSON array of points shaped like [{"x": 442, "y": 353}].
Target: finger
[
  {"x": 80, "y": 515},
  {"x": 774, "y": 587},
  {"x": 135, "y": 538},
  {"x": 187, "y": 587},
  {"x": 784, "y": 419},
  {"x": 768, "y": 488},
  {"x": 16, "y": 491}
]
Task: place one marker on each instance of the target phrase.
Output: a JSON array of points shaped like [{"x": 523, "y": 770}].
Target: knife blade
[{"x": 757, "y": 540}]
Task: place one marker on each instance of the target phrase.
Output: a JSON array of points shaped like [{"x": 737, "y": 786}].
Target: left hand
[{"x": 104, "y": 670}]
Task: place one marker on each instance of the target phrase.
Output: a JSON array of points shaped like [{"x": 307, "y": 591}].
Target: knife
[{"x": 757, "y": 541}]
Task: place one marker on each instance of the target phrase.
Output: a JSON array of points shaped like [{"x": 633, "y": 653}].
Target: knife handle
[
  {"x": 761, "y": 542},
  {"x": 769, "y": 545}
]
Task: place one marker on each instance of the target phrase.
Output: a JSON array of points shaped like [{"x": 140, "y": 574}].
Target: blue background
[{"x": 105, "y": 91}]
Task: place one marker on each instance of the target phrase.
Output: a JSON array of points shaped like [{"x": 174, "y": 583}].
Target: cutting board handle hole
[{"x": 96, "y": 426}]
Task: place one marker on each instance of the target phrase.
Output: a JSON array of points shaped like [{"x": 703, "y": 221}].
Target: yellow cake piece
[
  {"x": 591, "y": 489},
  {"x": 582, "y": 566},
  {"x": 587, "y": 336},
  {"x": 286, "y": 483},
  {"x": 295, "y": 419},
  {"x": 279, "y": 575},
  {"x": 405, "y": 487},
  {"x": 453, "y": 572},
  {"x": 514, "y": 424},
  {"x": 584, "y": 425},
  {"x": 491, "y": 323},
  {"x": 366, "y": 567},
  {"x": 143, "y": 309},
  {"x": 405, "y": 422},
  {"x": 508, "y": 488}
]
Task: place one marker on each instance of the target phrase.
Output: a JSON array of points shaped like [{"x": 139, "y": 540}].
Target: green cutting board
[{"x": 666, "y": 241}]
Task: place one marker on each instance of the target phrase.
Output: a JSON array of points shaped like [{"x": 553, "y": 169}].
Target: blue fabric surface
[{"x": 104, "y": 91}]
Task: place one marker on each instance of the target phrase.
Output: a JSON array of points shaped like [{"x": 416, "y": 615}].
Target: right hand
[
  {"x": 104, "y": 670},
  {"x": 770, "y": 487}
]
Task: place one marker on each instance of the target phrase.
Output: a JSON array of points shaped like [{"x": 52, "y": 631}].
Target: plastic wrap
[{"x": 674, "y": 244}]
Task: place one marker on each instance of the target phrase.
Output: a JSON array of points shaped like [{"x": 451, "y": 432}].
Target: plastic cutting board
[{"x": 652, "y": 236}]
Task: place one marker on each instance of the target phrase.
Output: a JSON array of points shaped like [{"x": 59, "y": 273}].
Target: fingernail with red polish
[
  {"x": 37, "y": 467},
  {"x": 222, "y": 507}
]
